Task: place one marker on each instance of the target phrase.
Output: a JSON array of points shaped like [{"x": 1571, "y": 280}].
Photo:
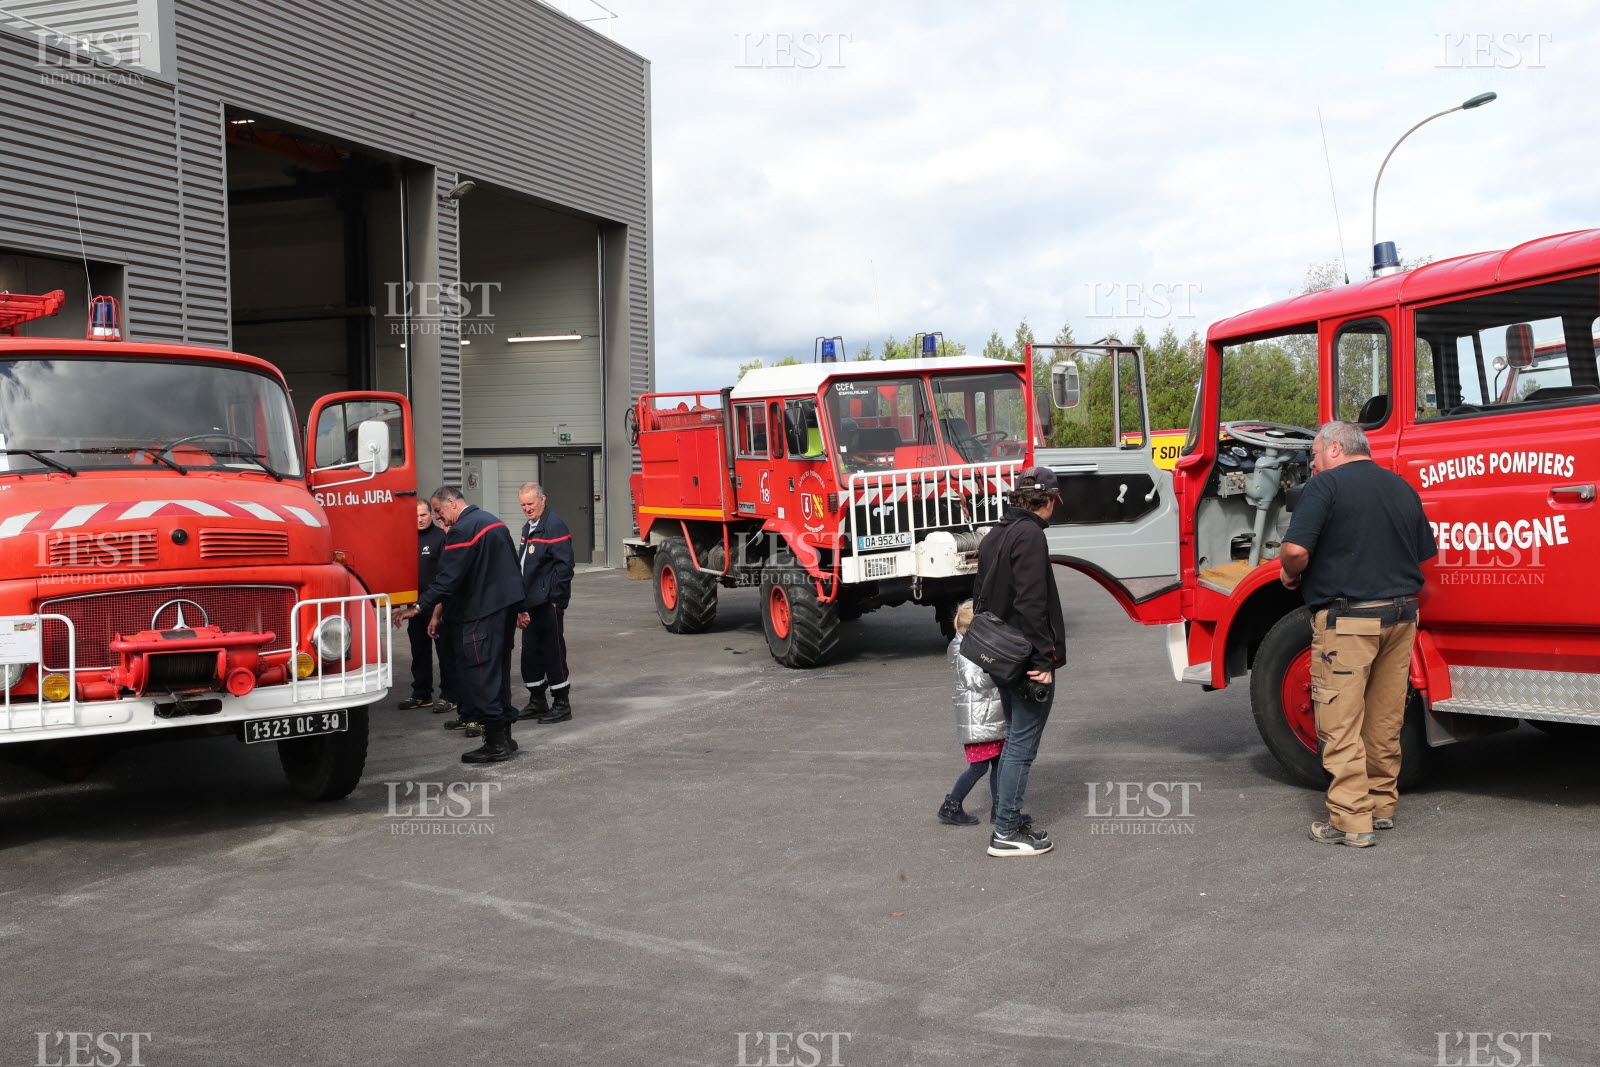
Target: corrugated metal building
[{"x": 284, "y": 177}]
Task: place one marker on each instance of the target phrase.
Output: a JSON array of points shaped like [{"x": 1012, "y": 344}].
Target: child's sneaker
[
  {"x": 1019, "y": 843},
  {"x": 951, "y": 814}
]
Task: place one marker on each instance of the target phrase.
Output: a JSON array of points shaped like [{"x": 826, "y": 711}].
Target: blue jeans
[
  {"x": 1025, "y": 721},
  {"x": 971, "y": 776}
]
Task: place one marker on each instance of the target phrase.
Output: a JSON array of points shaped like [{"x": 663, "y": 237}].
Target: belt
[{"x": 1387, "y": 612}]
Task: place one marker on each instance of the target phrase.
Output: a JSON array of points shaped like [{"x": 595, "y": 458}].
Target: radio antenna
[
  {"x": 1343, "y": 263},
  {"x": 88, "y": 282}
]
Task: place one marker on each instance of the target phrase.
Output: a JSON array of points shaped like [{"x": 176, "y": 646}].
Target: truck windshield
[
  {"x": 982, "y": 417},
  {"x": 120, "y": 413},
  {"x": 881, "y": 424}
]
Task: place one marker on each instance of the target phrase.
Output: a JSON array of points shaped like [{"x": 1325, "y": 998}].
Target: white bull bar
[
  {"x": 34, "y": 718},
  {"x": 889, "y": 515}
]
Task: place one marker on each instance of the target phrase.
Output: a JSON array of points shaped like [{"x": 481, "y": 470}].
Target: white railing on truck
[
  {"x": 371, "y": 619},
  {"x": 901, "y": 505},
  {"x": 40, "y": 713}
]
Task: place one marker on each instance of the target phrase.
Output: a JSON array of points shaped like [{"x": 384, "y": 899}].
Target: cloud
[{"x": 966, "y": 166}]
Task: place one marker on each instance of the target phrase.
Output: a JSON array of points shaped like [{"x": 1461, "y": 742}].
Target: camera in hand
[{"x": 1038, "y": 692}]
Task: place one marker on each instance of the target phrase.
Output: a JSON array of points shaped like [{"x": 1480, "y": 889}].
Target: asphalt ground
[{"x": 717, "y": 846}]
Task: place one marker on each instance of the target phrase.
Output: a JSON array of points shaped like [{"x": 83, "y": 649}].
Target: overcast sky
[{"x": 919, "y": 166}]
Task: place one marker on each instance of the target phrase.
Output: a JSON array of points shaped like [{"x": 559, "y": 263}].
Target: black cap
[{"x": 1039, "y": 478}]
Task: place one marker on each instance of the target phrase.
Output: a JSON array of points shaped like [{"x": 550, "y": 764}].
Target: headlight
[
  {"x": 332, "y": 638},
  {"x": 11, "y": 674}
]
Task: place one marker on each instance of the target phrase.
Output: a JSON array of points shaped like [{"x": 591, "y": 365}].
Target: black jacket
[
  {"x": 547, "y": 562},
  {"x": 478, "y": 572},
  {"x": 1016, "y": 559},
  {"x": 430, "y": 548}
]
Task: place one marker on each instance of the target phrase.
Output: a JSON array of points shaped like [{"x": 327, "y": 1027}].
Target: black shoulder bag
[{"x": 992, "y": 643}]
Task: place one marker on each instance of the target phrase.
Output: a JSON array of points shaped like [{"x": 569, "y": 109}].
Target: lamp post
[{"x": 1384, "y": 258}]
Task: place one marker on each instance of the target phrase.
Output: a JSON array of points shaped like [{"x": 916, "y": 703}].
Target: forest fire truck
[
  {"x": 168, "y": 564},
  {"x": 836, "y": 488},
  {"x": 1476, "y": 379}
]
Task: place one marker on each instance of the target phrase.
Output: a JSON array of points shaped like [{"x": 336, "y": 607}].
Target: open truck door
[
  {"x": 363, "y": 473},
  {"x": 1119, "y": 522}
]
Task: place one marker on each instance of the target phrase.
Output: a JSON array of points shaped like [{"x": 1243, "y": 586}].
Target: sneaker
[
  {"x": 415, "y": 702},
  {"x": 1024, "y": 821},
  {"x": 951, "y": 814},
  {"x": 444, "y": 707},
  {"x": 1019, "y": 843},
  {"x": 472, "y": 729},
  {"x": 1383, "y": 824},
  {"x": 1330, "y": 835}
]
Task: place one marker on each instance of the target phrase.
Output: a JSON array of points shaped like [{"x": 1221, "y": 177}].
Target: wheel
[
  {"x": 330, "y": 766},
  {"x": 801, "y": 631},
  {"x": 686, "y": 599},
  {"x": 1280, "y": 700}
]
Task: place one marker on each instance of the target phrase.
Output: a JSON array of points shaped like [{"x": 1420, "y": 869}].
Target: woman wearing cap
[{"x": 1019, "y": 586}]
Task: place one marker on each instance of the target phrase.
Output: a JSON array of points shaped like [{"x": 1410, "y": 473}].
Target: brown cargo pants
[{"x": 1359, "y": 673}]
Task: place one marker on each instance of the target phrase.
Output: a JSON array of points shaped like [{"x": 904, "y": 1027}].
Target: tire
[
  {"x": 1282, "y": 675},
  {"x": 686, "y": 599},
  {"x": 802, "y": 632},
  {"x": 330, "y": 766}
]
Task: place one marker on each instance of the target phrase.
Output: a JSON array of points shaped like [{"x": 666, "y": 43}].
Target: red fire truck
[
  {"x": 837, "y": 488},
  {"x": 172, "y": 562},
  {"x": 1476, "y": 379}
]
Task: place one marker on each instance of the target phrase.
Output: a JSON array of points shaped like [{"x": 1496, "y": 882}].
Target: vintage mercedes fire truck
[
  {"x": 836, "y": 488},
  {"x": 1476, "y": 379},
  {"x": 172, "y": 562}
]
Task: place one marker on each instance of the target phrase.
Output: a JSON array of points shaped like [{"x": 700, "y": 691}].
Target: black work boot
[
  {"x": 496, "y": 746},
  {"x": 560, "y": 706},
  {"x": 951, "y": 813},
  {"x": 537, "y": 706}
]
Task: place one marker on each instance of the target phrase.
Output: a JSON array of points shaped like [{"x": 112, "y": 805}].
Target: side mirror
[
  {"x": 1047, "y": 416},
  {"x": 1519, "y": 346},
  {"x": 1064, "y": 385},
  {"x": 372, "y": 446}
]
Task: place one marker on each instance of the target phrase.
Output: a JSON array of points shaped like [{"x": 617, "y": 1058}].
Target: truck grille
[
  {"x": 130, "y": 548},
  {"x": 98, "y": 617},
  {"x": 242, "y": 544}
]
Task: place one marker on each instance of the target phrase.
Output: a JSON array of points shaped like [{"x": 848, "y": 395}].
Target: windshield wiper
[
  {"x": 39, "y": 455},
  {"x": 254, "y": 457},
  {"x": 147, "y": 450}
]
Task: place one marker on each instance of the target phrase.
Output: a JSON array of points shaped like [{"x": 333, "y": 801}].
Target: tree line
[{"x": 1274, "y": 380}]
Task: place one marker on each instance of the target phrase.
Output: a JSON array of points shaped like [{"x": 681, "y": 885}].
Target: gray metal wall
[{"x": 507, "y": 91}]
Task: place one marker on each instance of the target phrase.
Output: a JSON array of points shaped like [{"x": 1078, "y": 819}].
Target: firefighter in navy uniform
[
  {"x": 1356, "y": 547},
  {"x": 430, "y": 546},
  {"x": 547, "y": 567},
  {"x": 482, "y": 593}
]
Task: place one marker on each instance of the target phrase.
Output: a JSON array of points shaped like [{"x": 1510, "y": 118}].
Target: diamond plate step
[{"x": 1550, "y": 696}]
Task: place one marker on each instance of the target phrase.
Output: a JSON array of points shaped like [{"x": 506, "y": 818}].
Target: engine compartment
[{"x": 1245, "y": 510}]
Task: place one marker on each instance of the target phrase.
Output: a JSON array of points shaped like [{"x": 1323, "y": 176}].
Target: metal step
[{"x": 1550, "y": 696}]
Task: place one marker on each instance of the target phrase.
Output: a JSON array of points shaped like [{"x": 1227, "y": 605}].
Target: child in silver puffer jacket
[{"x": 980, "y": 724}]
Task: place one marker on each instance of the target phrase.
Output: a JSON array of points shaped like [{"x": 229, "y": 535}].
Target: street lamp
[{"x": 1385, "y": 260}]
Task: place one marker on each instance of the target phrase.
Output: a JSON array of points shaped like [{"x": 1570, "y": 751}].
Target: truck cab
[
  {"x": 1475, "y": 378},
  {"x": 175, "y": 559}
]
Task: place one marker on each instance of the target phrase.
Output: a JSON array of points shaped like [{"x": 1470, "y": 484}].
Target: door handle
[{"x": 1584, "y": 492}]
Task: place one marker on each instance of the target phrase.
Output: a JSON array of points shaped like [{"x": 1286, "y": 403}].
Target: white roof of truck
[{"x": 804, "y": 379}]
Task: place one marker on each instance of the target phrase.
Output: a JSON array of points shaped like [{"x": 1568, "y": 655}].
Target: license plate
[
  {"x": 289, "y": 727},
  {"x": 888, "y": 540}
]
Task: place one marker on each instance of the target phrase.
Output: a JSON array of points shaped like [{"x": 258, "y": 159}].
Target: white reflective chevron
[
  {"x": 302, "y": 514},
  {"x": 13, "y": 524},
  {"x": 260, "y": 511},
  {"x": 201, "y": 507},
  {"x": 76, "y": 516}
]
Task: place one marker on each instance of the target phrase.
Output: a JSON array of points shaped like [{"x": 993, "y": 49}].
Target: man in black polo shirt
[
  {"x": 1356, "y": 547},
  {"x": 430, "y": 547}
]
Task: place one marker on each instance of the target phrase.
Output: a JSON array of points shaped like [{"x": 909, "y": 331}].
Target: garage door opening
[
  {"x": 532, "y": 371},
  {"x": 315, "y": 252}
]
